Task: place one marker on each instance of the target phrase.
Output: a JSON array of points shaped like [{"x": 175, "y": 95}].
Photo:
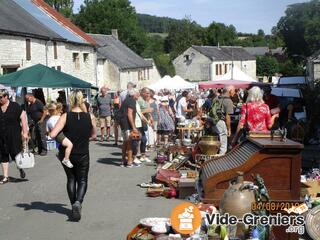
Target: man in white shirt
[{"x": 182, "y": 106}]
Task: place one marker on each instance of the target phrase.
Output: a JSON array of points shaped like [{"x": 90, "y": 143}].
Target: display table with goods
[
  {"x": 237, "y": 201},
  {"x": 190, "y": 130}
]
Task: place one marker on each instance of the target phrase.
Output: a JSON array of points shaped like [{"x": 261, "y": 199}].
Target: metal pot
[{"x": 209, "y": 145}]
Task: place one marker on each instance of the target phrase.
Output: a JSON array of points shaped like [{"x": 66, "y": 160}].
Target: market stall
[
  {"x": 42, "y": 77},
  {"x": 234, "y": 77},
  {"x": 233, "y": 184},
  {"x": 175, "y": 83}
]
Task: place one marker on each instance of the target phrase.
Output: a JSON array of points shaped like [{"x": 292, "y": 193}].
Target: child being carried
[{"x": 55, "y": 110}]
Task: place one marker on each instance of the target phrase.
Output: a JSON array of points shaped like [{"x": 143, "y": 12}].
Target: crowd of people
[{"x": 144, "y": 118}]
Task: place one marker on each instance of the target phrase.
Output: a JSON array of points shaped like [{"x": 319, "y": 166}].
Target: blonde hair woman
[
  {"x": 79, "y": 127},
  {"x": 255, "y": 114}
]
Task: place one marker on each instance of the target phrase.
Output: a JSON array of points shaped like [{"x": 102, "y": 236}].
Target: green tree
[
  {"x": 154, "y": 46},
  {"x": 267, "y": 66},
  {"x": 181, "y": 36},
  {"x": 100, "y": 16},
  {"x": 218, "y": 33},
  {"x": 164, "y": 65},
  {"x": 261, "y": 33},
  {"x": 62, "y": 6},
  {"x": 299, "y": 28},
  {"x": 291, "y": 68}
]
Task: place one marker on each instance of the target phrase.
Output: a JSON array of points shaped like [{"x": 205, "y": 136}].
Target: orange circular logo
[{"x": 185, "y": 218}]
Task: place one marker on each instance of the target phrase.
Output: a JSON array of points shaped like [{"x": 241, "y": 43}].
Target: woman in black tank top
[{"x": 78, "y": 127}]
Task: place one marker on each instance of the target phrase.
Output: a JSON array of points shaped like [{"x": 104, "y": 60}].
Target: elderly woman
[
  {"x": 166, "y": 123},
  {"x": 78, "y": 126},
  {"x": 12, "y": 121},
  {"x": 255, "y": 114}
]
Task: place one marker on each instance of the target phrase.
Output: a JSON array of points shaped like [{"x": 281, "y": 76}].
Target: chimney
[{"x": 114, "y": 33}]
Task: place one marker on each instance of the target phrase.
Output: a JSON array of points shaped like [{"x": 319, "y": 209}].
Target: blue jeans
[{"x": 143, "y": 143}]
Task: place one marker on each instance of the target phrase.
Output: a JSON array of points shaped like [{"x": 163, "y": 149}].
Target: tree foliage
[
  {"x": 259, "y": 40},
  {"x": 100, "y": 16},
  {"x": 154, "y": 46},
  {"x": 267, "y": 66},
  {"x": 183, "y": 35},
  {"x": 62, "y": 6},
  {"x": 153, "y": 24},
  {"x": 164, "y": 65},
  {"x": 291, "y": 68},
  {"x": 300, "y": 29},
  {"x": 218, "y": 33}
]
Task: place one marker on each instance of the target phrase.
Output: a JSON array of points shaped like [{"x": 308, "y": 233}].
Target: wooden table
[{"x": 197, "y": 130}]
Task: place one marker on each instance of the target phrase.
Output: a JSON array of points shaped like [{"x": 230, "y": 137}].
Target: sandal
[{"x": 4, "y": 180}]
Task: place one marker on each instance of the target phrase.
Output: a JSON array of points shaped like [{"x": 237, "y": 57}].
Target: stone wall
[
  {"x": 13, "y": 52},
  {"x": 193, "y": 66}
]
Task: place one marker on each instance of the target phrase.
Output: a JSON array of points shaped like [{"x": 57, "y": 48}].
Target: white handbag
[{"x": 25, "y": 159}]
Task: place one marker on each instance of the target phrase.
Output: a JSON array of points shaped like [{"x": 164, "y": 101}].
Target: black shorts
[{"x": 60, "y": 137}]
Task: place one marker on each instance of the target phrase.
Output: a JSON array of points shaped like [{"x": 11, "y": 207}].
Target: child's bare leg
[{"x": 68, "y": 145}]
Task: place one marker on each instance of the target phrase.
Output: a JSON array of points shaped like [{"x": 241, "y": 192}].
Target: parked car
[{"x": 291, "y": 96}]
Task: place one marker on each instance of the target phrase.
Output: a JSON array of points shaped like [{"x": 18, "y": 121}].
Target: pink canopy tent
[
  {"x": 234, "y": 77},
  {"x": 223, "y": 83}
]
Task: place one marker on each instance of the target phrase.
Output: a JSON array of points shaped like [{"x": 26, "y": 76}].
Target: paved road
[{"x": 38, "y": 209}]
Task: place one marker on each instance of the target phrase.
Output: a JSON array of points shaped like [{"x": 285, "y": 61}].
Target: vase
[{"x": 209, "y": 145}]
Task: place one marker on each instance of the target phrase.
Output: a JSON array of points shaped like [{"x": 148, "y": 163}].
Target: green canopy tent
[{"x": 42, "y": 77}]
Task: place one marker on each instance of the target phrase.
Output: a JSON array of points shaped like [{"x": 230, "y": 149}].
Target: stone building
[
  {"x": 313, "y": 68},
  {"x": 118, "y": 64},
  {"x": 205, "y": 63},
  {"x": 31, "y": 32}
]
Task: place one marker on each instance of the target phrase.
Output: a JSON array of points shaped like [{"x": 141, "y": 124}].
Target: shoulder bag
[{"x": 25, "y": 159}]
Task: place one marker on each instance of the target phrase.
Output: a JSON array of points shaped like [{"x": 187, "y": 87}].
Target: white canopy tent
[
  {"x": 175, "y": 83},
  {"x": 236, "y": 74}
]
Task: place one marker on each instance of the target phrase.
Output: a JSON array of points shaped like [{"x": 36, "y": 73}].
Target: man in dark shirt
[
  {"x": 37, "y": 113},
  {"x": 128, "y": 114}
]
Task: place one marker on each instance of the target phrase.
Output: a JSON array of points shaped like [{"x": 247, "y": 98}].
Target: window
[
  {"x": 9, "y": 68},
  {"x": 76, "y": 60},
  {"x": 148, "y": 74},
  {"x": 59, "y": 68},
  {"x": 55, "y": 50},
  {"x": 218, "y": 69},
  {"x": 144, "y": 74},
  {"x": 187, "y": 57},
  {"x": 28, "y": 49},
  {"x": 225, "y": 68},
  {"x": 85, "y": 57}
]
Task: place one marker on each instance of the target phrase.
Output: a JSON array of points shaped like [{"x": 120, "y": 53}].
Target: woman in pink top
[{"x": 255, "y": 114}]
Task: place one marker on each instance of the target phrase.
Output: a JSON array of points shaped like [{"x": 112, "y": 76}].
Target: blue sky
[{"x": 246, "y": 15}]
